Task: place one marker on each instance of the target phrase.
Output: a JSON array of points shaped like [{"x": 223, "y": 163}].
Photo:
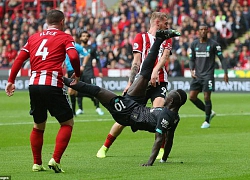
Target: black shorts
[
  {"x": 52, "y": 99},
  {"x": 88, "y": 79},
  {"x": 70, "y": 73},
  {"x": 158, "y": 91},
  {"x": 205, "y": 85},
  {"x": 120, "y": 108}
]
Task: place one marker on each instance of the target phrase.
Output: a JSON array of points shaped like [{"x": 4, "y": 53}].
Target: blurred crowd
[{"x": 113, "y": 29}]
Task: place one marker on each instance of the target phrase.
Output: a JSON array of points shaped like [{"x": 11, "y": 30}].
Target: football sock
[
  {"x": 163, "y": 142},
  {"x": 208, "y": 108},
  {"x": 149, "y": 62},
  {"x": 96, "y": 102},
  {"x": 199, "y": 104},
  {"x": 36, "y": 142},
  {"x": 73, "y": 103},
  {"x": 62, "y": 141},
  {"x": 109, "y": 140},
  {"x": 83, "y": 87},
  {"x": 79, "y": 102}
]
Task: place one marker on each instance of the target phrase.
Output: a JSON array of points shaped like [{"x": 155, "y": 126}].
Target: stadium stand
[{"x": 111, "y": 27}]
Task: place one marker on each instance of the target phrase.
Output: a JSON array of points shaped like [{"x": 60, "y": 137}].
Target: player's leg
[
  {"x": 195, "y": 89},
  {"x": 138, "y": 88},
  {"x": 193, "y": 97},
  {"x": 79, "y": 103},
  {"x": 96, "y": 101},
  {"x": 103, "y": 95},
  {"x": 80, "y": 98},
  {"x": 39, "y": 112},
  {"x": 97, "y": 106},
  {"x": 72, "y": 94},
  {"x": 59, "y": 107},
  {"x": 114, "y": 132},
  {"x": 208, "y": 106}
]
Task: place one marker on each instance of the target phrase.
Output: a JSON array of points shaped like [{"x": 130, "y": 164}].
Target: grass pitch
[{"x": 220, "y": 152}]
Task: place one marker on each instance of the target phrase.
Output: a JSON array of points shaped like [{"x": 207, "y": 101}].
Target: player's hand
[
  {"x": 226, "y": 78},
  {"x": 75, "y": 80},
  {"x": 146, "y": 164},
  {"x": 81, "y": 69},
  {"x": 154, "y": 78},
  {"x": 100, "y": 75},
  {"x": 126, "y": 88},
  {"x": 10, "y": 89},
  {"x": 193, "y": 74}
]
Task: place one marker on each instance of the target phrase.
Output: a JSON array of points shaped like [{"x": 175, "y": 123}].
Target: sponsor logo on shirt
[
  {"x": 164, "y": 123},
  {"x": 218, "y": 48}
]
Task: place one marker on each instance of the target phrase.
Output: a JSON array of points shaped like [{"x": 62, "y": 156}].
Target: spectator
[
  {"x": 103, "y": 59},
  {"x": 111, "y": 61},
  {"x": 183, "y": 58},
  {"x": 174, "y": 67},
  {"x": 124, "y": 59},
  {"x": 189, "y": 13},
  {"x": 232, "y": 61},
  {"x": 244, "y": 58},
  {"x": 124, "y": 22}
]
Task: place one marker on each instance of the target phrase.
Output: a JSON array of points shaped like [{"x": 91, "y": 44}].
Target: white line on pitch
[{"x": 88, "y": 120}]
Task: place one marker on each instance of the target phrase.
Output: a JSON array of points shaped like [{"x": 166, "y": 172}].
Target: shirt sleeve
[
  {"x": 167, "y": 44},
  {"x": 223, "y": 61},
  {"x": 162, "y": 122},
  {"x": 192, "y": 57},
  {"x": 69, "y": 42},
  {"x": 22, "y": 56},
  {"x": 137, "y": 46},
  {"x": 81, "y": 50}
]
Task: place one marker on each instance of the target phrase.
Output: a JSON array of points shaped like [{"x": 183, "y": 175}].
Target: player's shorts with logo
[
  {"x": 205, "y": 85},
  {"x": 159, "y": 91},
  {"x": 120, "y": 108}
]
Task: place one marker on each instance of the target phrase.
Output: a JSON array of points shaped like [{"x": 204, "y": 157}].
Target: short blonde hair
[{"x": 158, "y": 15}]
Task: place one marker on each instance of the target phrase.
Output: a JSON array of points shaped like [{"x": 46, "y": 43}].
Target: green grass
[{"x": 220, "y": 152}]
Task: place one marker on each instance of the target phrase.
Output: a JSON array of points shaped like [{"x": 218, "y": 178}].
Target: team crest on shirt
[
  {"x": 135, "y": 46},
  {"x": 164, "y": 123}
]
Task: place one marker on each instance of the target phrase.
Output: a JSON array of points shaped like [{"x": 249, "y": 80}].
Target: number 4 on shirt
[{"x": 42, "y": 51}]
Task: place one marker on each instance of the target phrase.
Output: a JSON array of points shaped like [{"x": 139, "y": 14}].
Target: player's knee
[{"x": 192, "y": 98}]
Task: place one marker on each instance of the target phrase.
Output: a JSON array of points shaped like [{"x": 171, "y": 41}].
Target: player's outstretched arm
[
  {"x": 155, "y": 150},
  {"x": 168, "y": 145}
]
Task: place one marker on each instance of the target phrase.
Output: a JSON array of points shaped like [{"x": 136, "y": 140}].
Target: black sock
[
  {"x": 96, "y": 102},
  {"x": 83, "y": 87},
  {"x": 149, "y": 62},
  {"x": 199, "y": 104},
  {"x": 79, "y": 102},
  {"x": 208, "y": 108}
]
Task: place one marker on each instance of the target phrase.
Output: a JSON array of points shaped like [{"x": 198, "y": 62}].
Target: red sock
[
  {"x": 62, "y": 141},
  {"x": 163, "y": 141},
  {"x": 109, "y": 140},
  {"x": 36, "y": 142}
]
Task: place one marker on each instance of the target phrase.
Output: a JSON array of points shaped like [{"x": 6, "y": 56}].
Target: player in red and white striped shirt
[
  {"x": 159, "y": 81},
  {"x": 46, "y": 51}
]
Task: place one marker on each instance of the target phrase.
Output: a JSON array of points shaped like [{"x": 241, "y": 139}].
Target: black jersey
[
  {"x": 128, "y": 112},
  {"x": 202, "y": 57},
  {"x": 153, "y": 119},
  {"x": 88, "y": 69}
]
